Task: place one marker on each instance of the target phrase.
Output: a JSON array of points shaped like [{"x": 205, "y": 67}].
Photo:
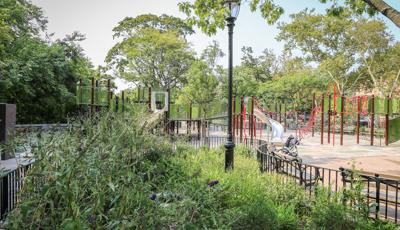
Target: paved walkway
[{"x": 384, "y": 160}]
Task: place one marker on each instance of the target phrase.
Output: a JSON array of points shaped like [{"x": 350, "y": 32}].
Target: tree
[
  {"x": 153, "y": 51},
  {"x": 331, "y": 42},
  {"x": 211, "y": 54},
  {"x": 208, "y": 15},
  {"x": 40, "y": 75},
  {"x": 296, "y": 87},
  {"x": 377, "y": 55},
  {"x": 201, "y": 87}
]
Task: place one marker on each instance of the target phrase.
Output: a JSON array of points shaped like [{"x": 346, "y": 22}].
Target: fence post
[
  {"x": 149, "y": 101},
  {"x": 312, "y": 110},
  {"x": 116, "y": 103},
  {"x": 341, "y": 119},
  {"x": 123, "y": 100},
  {"x": 322, "y": 119},
  {"x": 372, "y": 119},
  {"x": 358, "y": 118},
  {"x": 4, "y": 196},
  {"x": 377, "y": 195}
]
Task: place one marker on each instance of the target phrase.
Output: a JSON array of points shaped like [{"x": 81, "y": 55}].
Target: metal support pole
[
  {"x": 234, "y": 118},
  {"x": 149, "y": 101},
  {"x": 230, "y": 145}
]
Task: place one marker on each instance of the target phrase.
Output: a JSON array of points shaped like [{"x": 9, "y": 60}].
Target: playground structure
[
  {"x": 249, "y": 118},
  {"x": 332, "y": 116}
]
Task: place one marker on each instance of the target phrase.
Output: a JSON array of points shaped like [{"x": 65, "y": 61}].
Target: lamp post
[{"x": 232, "y": 10}]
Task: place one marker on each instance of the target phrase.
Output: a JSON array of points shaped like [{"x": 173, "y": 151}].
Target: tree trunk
[{"x": 387, "y": 10}]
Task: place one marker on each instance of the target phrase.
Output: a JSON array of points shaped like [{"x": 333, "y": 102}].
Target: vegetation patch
[{"x": 115, "y": 174}]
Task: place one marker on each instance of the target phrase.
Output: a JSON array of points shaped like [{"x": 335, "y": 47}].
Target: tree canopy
[
  {"x": 208, "y": 15},
  {"x": 153, "y": 51}
]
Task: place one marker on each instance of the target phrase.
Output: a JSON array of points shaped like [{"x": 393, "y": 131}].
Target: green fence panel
[
  {"x": 394, "y": 130},
  {"x": 237, "y": 105},
  {"x": 395, "y": 106}
]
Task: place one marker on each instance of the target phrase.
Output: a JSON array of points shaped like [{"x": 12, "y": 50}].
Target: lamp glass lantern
[{"x": 232, "y": 8}]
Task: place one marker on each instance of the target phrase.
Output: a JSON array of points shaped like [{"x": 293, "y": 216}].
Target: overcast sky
[{"x": 96, "y": 18}]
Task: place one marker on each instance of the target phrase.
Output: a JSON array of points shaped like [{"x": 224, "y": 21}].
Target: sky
[{"x": 97, "y": 18}]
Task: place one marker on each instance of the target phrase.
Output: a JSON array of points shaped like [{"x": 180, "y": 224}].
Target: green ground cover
[{"x": 116, "y": 174}]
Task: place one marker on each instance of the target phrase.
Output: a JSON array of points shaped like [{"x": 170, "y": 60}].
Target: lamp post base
[{"x": 229, "y": 146}]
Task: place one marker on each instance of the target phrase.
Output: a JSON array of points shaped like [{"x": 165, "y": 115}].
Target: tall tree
[
  {"x": 201, "y": 87},
  {"x": 208, "y": 15},
  {"x": 153, "y": 51},
  {"x": 330, "y": 42}
]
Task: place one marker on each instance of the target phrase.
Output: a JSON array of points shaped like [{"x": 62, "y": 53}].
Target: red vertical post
[
  {"x": 312, "y": 112},
  {"x": 387, "y": 121},
  {"x": 322, "y": 119},
  {"x": 358, "y": 119},
  {"x": 341, "y": 119},
  {"x": 372, "y": 119},
  {"x": 241, "y": 118}
]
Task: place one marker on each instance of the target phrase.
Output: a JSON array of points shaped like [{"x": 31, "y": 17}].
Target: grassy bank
[{"x": 115, "y": 174}]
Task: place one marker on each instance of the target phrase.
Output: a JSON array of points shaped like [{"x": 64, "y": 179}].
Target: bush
[{"x": 112, "y": 173}]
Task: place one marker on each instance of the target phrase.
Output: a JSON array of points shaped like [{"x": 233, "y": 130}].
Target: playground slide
[{"x": 277, "y": 128}]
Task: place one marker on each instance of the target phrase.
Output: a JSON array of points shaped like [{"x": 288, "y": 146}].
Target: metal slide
[{"x": 277, "y": 128}]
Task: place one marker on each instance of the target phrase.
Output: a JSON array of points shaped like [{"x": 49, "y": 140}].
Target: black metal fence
[
  {"x": 11, "y": 183},
  {"x": 382, "y": 194}
]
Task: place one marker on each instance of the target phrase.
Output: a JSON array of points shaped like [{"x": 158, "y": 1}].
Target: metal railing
[
  {"x": 382, "y": 194},
  {"x": 11, "y": 183}
]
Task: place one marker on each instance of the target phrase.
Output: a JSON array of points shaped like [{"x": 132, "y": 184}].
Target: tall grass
[{"x": 112, "y": 173}]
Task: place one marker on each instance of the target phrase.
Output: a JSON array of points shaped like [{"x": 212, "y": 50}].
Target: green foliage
[
  {"x": 40, "y": 76},
  {"x": 209, "y": 15},
  {"x": 109, "y": 174},
  {"x": 201, "y": 87},
  {"x": 295, "y": 88},
  {"x": 153, "y": 51},
  {"x": 347, "y": 49}
]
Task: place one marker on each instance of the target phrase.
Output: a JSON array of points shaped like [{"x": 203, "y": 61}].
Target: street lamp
[{"x": 232, "y": 8}]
